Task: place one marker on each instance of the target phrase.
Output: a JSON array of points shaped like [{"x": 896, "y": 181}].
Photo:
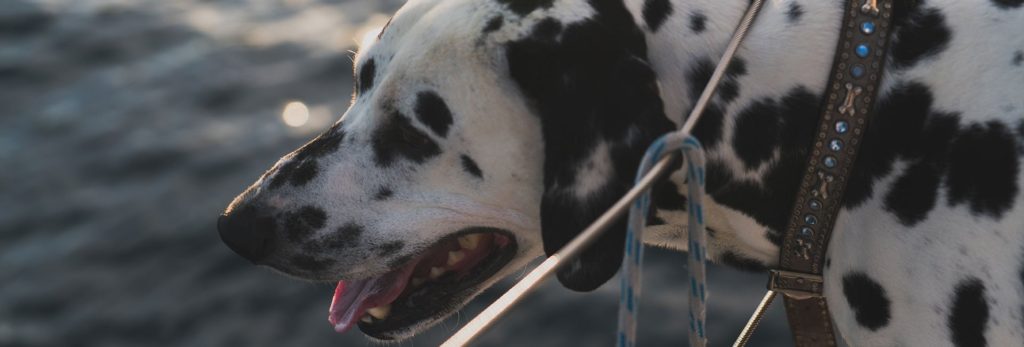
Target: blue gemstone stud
[
  {"x": 830, "y": 161},
  {"x": 814, "y": 204},
  {"x": 857, "y": 71},
  {"x": 862, "y": 50},
  {"x": 835, "y": 145},
  {"x": 867, "y": 28},
  {"x": 810, "y": 219},
  {"x": 842, "y": 127},
  {"x": 806, "y": 232}
]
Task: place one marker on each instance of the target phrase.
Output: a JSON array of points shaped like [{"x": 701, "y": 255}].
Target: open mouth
[{"x": 427, "y": 286}]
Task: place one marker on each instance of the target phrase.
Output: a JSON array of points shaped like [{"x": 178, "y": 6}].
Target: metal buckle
[{"x": 796, "y": 285}]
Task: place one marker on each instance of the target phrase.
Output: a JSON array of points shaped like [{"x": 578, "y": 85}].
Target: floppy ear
[{"x": 597, "y": 97}]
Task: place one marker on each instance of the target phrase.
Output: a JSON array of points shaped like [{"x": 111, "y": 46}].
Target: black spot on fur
[
  {"x": 655, "y": 13},
  {"x": 1018, "y": 58},
  {"x": 781, "y": 181},
  {"x": 1007, "y": 4},
  {"x": 935, "y": 147},
  {"x": 740, "y": 262},
  {"x": 397, "y": 137},
  {"x": 432, "y": 111},
  {"x": 586, "y": 94},
  {"x": 794, "y": 12},
  {"x": 325, "y": 144},
  {"x": 283, "y": 173},
  {"x": 524, "y": 7},
  {"x": 757, "y": 132},
  {"x": 896, "y": 127},
  {"x": 304, "y": 173},
  {"x": 343, "y": 237},
  {"x": 699, "y": 75},
  {"x": 729, "y": 89},
  {"x": 367, "y": 74},
  {"x": 709, "y": 128},
  {"x": 383, "y": 193},
  {"x": 969, "y": 314},
  {"x": 915, "y": 192},
  {"x": 738, "y": 67},
  {"x": 759, "y": 127},
  {"x": 302, "y": 223},
  {"x": 698, "y": 22},
  {"x": 494, "y": 24},
  {"x": 390, "y": 247},
  {"x": 470, "y": 166},
  {"x": 302, "y": 168},
  {"x": 666, "y": 196},
  {"x": 901, "y": 11},
  {"x": 983, "y": 169},
  {"x": 867, "y": 299},
  {"x": 924, "y": 34},
  {"x": 547, "y": 29},
  {"x": 310, "y": 264}
]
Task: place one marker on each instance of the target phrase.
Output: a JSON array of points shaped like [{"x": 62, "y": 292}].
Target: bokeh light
[{"x": 295, "y": 114}]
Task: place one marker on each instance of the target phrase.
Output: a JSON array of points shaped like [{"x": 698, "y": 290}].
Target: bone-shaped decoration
[
  {"x": 803, "y": 249},
  {"x": 822, "y": 184},
  {"x": 870, "y": 7},
  {"x": 848, "y": 108}
]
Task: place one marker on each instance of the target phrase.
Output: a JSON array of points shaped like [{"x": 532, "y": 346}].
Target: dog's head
[{"x": 481, "y": 133}]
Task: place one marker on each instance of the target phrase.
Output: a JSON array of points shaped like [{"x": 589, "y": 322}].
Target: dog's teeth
[
  {"x": 436, "y": 272},
  {"x": 470, "y": 241},
  {"x": 380, "y": 312},
  {"x": 367, "y": 319},
  {"x": 416, "y": 281},
  {"x": 455, "y": 257}
]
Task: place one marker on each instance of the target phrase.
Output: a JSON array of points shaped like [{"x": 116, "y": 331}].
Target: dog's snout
[{"x": 248, "y": 233}]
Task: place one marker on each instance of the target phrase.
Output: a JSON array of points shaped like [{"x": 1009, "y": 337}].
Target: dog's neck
[{"x": 749, "y": 195}]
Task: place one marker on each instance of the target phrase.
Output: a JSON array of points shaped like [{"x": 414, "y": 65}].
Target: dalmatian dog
[{"x": 486, "y": 133}]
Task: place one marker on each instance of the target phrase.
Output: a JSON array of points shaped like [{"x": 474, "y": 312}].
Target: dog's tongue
[{"x": 353, "y": 298}]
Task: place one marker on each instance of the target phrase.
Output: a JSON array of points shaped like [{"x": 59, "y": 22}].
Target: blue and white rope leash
[{"x": 630, "y": 282}]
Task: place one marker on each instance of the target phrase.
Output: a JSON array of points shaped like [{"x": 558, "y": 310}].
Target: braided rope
[{"x": 630, "y": 281}]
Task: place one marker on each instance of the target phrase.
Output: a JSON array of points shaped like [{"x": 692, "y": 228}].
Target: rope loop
[{"x": 693, "y": 154}]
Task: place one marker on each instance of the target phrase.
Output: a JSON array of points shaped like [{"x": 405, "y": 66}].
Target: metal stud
[
  {"x": 830, "y": 161},
  {"x": 867, "y": 27},
  {"x": 842, "y": 127},
  {"x": 862, "y": 50},
  {"x": 810, "y": 219},
  {"x": 835, "y": 145},
  {"x": 806, "y": 232},
  {"x": 857, "y": 71},
  {"x": 814, "y": 204}
]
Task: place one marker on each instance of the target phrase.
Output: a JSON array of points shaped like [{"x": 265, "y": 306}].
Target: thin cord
[{"x": 755, "y": 319}]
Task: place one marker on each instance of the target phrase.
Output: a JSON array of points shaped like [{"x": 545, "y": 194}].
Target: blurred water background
[{"x": 127, "y": 125}]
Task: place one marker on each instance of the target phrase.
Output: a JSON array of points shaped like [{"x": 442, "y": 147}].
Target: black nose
[{"x": 248, "y": 233}]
